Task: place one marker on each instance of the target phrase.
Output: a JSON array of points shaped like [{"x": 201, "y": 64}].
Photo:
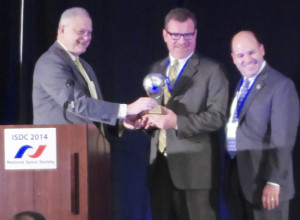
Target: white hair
[{"x": 70, "y": 13}]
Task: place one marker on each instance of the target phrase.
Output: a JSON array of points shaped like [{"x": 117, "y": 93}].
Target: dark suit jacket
[
  {"x": 199, "y": 99},
  {"x": 266, "y": 135},
  {"x": 49, "y": 94}
]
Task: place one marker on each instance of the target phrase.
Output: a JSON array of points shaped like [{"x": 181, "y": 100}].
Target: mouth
[
  {"x": 250, "y": 66},
  {"x": 84, "y": 43},
  {"x": 182, "y": 46}
]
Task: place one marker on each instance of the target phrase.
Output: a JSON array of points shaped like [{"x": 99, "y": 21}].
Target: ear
[
  {"x": 61, "y": 29},
  {"x": 165, "y": 35},
  {"x": 262, "y": 49},
  {"x": 233, "y": 57},
  {"x": 196, "y": 31}
]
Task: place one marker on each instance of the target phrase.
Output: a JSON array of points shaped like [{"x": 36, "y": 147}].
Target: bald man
[{"x": 261, "y": 133}]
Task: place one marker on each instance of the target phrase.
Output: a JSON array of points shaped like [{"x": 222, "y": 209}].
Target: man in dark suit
[
  {"x": 65, "y": 87},
  {"x": 261, "y": 133},
  {"x": 184, "y": 174}
]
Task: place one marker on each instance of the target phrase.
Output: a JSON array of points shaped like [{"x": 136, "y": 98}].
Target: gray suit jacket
[
  {"x": 266, "y": 135},
  {"x": 49, "y": 94},
  {"x": 199, "y": 99}
]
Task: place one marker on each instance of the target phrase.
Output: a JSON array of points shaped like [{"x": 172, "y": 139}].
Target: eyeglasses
[
  {"x": 186, "y": 36},
  {"x": 80, "y": 32}
]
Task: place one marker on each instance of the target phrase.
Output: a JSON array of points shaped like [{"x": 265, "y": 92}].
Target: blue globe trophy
[{"x": 154, "y": 86}]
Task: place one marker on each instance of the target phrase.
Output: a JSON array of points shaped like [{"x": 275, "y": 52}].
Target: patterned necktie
[
  {"x": 243, "y": 92},
  {"x": 231, "y": 142},
  {"x": 162, "y": 139},
  {"x": 172, "y": 79}
]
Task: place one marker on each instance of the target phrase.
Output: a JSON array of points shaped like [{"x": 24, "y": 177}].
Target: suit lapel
[
  {"x": 91, "y": 74},
  {"x": 76, "y": 71},
  {"x": 186, "y": 76},
  {"x": 65, "y": 56},
  {"x": 162, "y": 70},
  {"x": 256, "y": 89}
]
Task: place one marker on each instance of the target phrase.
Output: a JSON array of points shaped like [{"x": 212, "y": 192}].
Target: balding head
[
  {"x": 242, "y": 36},
  {"x": 247, "y": 53}
]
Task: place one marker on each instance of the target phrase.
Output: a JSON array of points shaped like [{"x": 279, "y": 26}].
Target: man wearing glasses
[
  {"x": 184, "y": 153},
  {"x": 65, "y": 87}
]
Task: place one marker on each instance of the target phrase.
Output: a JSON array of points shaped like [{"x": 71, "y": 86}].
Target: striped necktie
[
  {"x": 162, "y": 139},
  {"x": 231, "y": 142},
  {"x": 243, "y": 92}
]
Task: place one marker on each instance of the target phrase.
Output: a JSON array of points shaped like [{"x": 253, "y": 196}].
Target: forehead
[
  {"x": 81, "y": 22},
  {"x": 178, "y": 27},
  {"x": 244, "y": 44}
]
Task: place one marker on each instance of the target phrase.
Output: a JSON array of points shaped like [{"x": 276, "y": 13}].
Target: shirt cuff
[
  {"x": 273, "y": 184},
  {"x": 122, "y": 111}
]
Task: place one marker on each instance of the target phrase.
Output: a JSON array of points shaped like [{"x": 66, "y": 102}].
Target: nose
[
  {"x": 247, "y": 58},
  {"x": 87, "y": 36},
  {"x": 181, "y": 39}
]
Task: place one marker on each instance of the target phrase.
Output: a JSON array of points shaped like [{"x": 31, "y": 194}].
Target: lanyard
[
  {"x": 240, "y": 107},
  {"x": 168, "y": 80}
]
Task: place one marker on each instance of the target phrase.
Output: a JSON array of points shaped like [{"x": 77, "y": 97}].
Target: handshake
[{"x": 138, "y": 116}]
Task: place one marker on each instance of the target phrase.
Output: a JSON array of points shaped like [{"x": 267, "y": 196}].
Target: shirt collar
[
  {"x": 70, "y": 54},
  {"x": 180, "y": 61},
  {"x": 252, "y": 78}
]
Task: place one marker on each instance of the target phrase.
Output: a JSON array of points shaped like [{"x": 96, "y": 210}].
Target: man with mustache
[
  {"x": 61, "y": 65},
  {"x": 184, "y": 157},
  {"x": 261, "y": 134}
]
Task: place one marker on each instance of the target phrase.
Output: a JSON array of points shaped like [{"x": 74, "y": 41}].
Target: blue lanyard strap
[
  {"x": 168, "y": 80},
  {"x": 244, "y": 99}
]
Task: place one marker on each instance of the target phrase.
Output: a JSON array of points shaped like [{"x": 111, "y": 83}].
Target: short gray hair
[{"x": 72, "y": 12}]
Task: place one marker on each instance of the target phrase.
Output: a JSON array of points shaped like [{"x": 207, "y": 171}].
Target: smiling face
[
  {"x": 182, "y": 47},
  {"x": 247, "y": 53},
  {"x": 76, "y": 34}
]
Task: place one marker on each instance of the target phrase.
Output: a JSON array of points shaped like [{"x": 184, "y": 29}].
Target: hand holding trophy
[{"x": 154, "y": 86}]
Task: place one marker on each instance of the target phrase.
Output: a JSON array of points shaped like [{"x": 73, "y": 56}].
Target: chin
[
  {"x": 79, "y": 52},
  {"x": 181, "y": 56}
]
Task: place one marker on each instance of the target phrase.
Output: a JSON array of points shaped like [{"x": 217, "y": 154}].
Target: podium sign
[
  {"x": 30, "y": 148},
  {"x": 60, "y": 171}
]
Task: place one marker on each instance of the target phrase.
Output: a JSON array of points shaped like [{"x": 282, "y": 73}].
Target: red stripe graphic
[{"x": 38, "y": 152}]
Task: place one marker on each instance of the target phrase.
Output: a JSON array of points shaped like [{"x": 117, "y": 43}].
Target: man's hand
[
  {"x": 141, "y": 104},
  {"x": 132, "y": 122},
  {"x": 270, "y": 196},
  {"x": 168, "y": 119}
]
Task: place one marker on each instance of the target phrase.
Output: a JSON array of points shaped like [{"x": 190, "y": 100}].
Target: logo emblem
[{"x": 36, "y": 154}]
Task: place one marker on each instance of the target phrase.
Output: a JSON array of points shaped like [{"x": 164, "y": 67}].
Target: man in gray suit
[
  {"x": 261, "y": 133},
  {"x": 184, "y": 173},
  {"x": 65, "y": 87}
]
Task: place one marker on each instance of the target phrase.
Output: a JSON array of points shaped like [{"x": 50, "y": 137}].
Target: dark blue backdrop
[{"x": 126, "y": 39}]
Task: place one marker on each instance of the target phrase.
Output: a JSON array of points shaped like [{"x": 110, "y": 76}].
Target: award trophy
[{"x": 154, "y": 86}]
